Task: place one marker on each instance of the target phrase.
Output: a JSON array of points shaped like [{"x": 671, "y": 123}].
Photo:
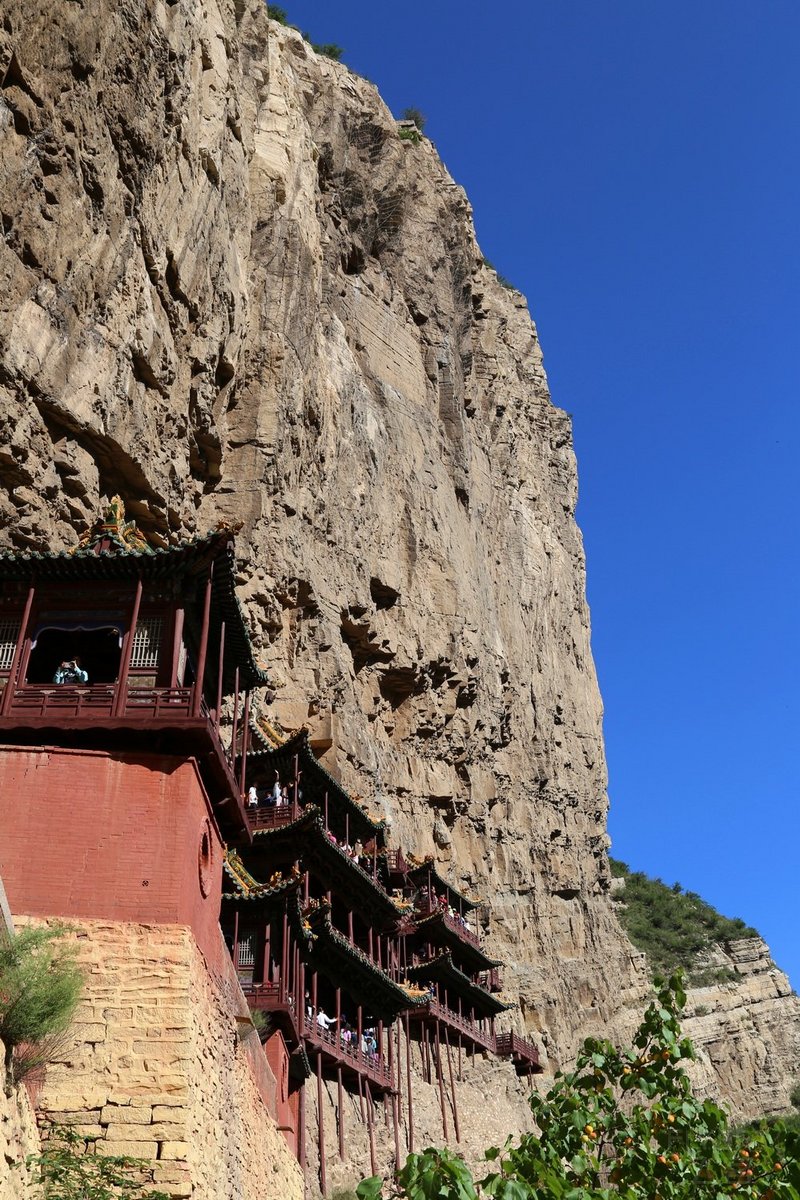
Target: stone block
[
  {"x": 166, "y": 1112},
  {"x": 120, "y": 1132},
  {"x": 174, "y": 1150},
  {"x": 130, "y": 1149},
  {"x": 78, "y": 1117},
  {"x": 126, "y": 1114}
]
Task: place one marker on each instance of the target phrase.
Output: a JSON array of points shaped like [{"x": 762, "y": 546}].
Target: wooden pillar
[
  {"x": 350, "y": 925},
  {"x": 245, "y": 741},
  {"x": 220, "y": 671},
  {"x": 267, "y": 975},
  {"x": 360, "y": 1089},
  {"x": 323, "y": 1178},
  {"x": 370, "y": 1128},
  {"x": 177, "y": 642},
  {"x": 235, "y": 727},
  {"x": 347, "y": 828},
  {"x": 369, "y": 942},
  {"x": 203, "y": 651},
  {"x": 5, "y": 707},
  {"x": 440, "y": 1081},
  {"x": 326, "y": 809},
  {"x": 127, "y": 651},
  {"x": 340, "y": 1097},
  {"x": 296, "y": 780},
  {"x": 285, "y": 953},
  {"x": 452, "y": 1085},
  {"x": 408, "y": 1088}
]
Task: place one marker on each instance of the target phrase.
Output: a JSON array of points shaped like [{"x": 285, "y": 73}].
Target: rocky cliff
[{"x": 229, "y": 289}]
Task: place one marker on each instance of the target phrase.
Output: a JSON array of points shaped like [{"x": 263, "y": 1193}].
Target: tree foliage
[
  {"x": 674, "y": 928},
  {"x": 40, "y": 984},
  {"x": 65, "y": 1170},
  {"x": 417, "y": 116},
  {"x": 624, "y": 1123}
]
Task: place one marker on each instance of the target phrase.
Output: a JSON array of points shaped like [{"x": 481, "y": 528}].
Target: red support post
[
  {"x": 440, "y": 1081},
  {"x": 452, "y": 1085},
  {"x": 340, "y": 1097},
  {"x": 245, "y": 741},
  {"x": 177, "y": 643},
  {"x": 203, "y": 651},
  {"x": 323, "y": 1179},
  {"x": 127, "y": 651},
  {"x": 408, "y": 1088},
  {"x": 235, "y": 728},
  {"x": 220, "y": 671},
  {"x": 372, "y": 1161},
  {"x": 8, "y": 694}
]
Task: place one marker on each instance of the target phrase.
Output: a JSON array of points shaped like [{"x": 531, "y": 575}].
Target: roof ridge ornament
[{"x": 112, "y": 532}]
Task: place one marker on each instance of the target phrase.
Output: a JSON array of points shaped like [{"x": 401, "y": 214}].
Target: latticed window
[
  {"x": 8, "y": 642},
  {"x": 147, "y": 642},
  {"x": 247, "y": 950}
]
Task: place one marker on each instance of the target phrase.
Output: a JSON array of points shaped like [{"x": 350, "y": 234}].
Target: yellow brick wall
[{"x": 160, "y": 1068}]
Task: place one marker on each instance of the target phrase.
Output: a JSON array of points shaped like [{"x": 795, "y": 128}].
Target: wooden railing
[
  {"x": 99, "y": 700},
  {"x": 272, "y": 816},
  {"x": 348, "y": 1053},
  {"x": 268, "y": 996},
  {"x": 470, "y": 1029},
  {"x": 507, "y": 1045},
  {"x": 426, "y": 908}
]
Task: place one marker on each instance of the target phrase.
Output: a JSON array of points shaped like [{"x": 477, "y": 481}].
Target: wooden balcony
[
  {"x": 273, "y": 816},
  {"x": 523, "y": 1053},
  {"x": 348, "y": 1056},
  {"x": 454, "y": 924},
  {"x": 64, "y": 705},
  {"x": 470, "y": 1030}
]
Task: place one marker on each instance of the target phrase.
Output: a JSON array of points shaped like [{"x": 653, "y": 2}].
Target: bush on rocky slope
[{"x": 674, "y": 928}]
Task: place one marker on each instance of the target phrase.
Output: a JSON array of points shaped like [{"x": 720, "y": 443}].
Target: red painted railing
[
  {"x": 329, "y": 1041},
  {"x": 462, "y": 1024},
  {"x": 507, "y": 1045},
  {"x": 272, "y": 816},
  {"x": 98, "y": 700},
  {"x": 426, "y": 909}
]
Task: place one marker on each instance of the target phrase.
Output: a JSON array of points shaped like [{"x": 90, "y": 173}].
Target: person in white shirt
[
  {"x": 252, "y": 797},
  {"x": 324, "y": 1021}
]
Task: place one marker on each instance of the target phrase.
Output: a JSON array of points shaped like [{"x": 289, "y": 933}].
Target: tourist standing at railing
[
  {"x": 252, "y": 797},
  {"x": 324, "y": 1021},
  {"x": 277, "y": 794}
]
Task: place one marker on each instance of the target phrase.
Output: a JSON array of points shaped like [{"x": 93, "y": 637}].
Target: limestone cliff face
[{"x": 230, "y": 290}]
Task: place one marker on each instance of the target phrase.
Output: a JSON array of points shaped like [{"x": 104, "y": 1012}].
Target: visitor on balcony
[
  {"x": 276, "y": 796},
  {"x": 324, "y": 1021},
  {"x": 252, "y": 797},
  {"x": 71, "y": 671}
]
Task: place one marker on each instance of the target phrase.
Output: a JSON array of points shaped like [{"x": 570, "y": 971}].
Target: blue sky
[{"x": 633, "y": 166}]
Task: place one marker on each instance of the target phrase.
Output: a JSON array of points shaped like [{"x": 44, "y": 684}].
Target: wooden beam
[
  {"x": 177, "y": 643},
  {"x": 323, "y": 1178},
  {"x": 220, "y": 669},
  {"x": 8, "y": 694},
  {"x": 408, "y": 1085},
  {"x": 440, "y": 1081},
  {"x": 127, "y": 652},
  {"x": 452, "y": 1085},
  {"x": 370, "y": 1129},
  {"x": 245, "y": 741},
  {"x": 203, "y": 651},
  {"x": 342, "y": 1154}
]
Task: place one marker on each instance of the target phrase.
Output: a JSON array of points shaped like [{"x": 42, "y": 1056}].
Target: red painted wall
[
  {"x": 287, "y": 1104},
  {"x": 117, "y": 836}
]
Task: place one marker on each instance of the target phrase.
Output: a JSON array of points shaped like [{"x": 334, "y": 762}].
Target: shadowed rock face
[{"x": 230, "y": 290}]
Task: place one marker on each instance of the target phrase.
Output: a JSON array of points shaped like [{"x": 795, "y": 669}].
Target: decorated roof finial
[{"x": 112, "y": 532}]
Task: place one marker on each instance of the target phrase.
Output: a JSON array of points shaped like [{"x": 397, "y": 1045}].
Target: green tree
[
  {"x": 66, "y": 1171},
  {"x": 275, "y": 13},
  {"x": 624, "y": 1123},
  {"x": 415, "y": 115},
  {"x": 40, "y": 984}
]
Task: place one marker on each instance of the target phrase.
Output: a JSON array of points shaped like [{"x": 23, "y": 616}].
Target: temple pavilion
[{"x": 119, "y": 656}]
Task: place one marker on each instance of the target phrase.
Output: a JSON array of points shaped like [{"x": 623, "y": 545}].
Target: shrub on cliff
[
  {"x": 624, "y": 1123},
  {"x": 40, "y": 984},
  {"x": 674, "y": 928},
  {"x": 66, "y": 1171}
]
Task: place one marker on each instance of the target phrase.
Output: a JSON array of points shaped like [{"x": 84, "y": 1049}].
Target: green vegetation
[
  {"x": 65, "y": 1171},
  {"x": 415, "y": 115},
  {"x": 409, "y": 135},
  {"x": 624, "y": 1123},
  {"x": 40, "y": 984},
  {"x": 329, "y": 49},
  {"x": 501, "y": 279},
  {"x": 674, "y": 928}
]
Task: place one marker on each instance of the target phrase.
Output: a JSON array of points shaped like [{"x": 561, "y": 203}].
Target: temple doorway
[{"x": 99, "y": 651}]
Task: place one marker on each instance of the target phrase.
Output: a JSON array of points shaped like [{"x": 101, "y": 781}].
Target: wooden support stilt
[
  {"x": 245, "y": 741},
  {"x": 370, "y": 1128},
  {"x": 452, "y": 1085},
  {"x": 177, "y": 646},
  {"x": 460, "y": 1072},
  {"x": 440, "y": 1081},
  {"x": 360, "y": 1096},
  {"x": 235, "y": 726},
  {"x": 341, "y": 1112},
  {"x": 323, "y": 1178},
  {"x": 301, "y": 1128},
  {"x": 408, "y": 1085},
  {"x": 395, "y": 1106}
]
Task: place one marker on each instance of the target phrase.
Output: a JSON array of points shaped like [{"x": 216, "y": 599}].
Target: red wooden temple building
[{"x": 126, "y": 680}]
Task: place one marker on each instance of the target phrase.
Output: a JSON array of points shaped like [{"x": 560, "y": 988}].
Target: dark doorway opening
[{"x": 98, "y": 650}]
